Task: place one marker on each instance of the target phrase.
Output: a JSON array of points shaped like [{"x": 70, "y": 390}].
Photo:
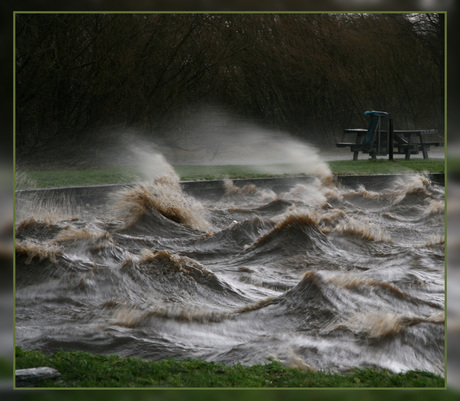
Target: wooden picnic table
[{"x": 404, "y": 141}]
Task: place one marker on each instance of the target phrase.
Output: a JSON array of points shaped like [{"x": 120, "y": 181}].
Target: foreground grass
[
  {"x": 84, "y": 370},
  {"x": 123, "y": 175}
]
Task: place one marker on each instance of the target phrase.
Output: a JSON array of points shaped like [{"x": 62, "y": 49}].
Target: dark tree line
[{"x": 309, "y": 74}]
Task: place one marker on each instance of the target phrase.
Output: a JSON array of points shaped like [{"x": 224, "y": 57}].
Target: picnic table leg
[
  {"x": 425, "y": 153},
  {"x": 358, "y": 141},
  {"x": 422, "y": 145},
  {"x": 391, "y": 139},
  {"x": 409, "y": 142}
]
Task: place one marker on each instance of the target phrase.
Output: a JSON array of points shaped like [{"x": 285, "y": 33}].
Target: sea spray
[
  {"x": 163, "y": 195},
  {"x": 216, "y": 137}
]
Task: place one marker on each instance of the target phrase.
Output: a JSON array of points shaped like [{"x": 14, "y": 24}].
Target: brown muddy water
[{"x": 318, "y": 275}]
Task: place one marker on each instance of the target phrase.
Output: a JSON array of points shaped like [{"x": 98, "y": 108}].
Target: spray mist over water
[
  {"x": 214, "y": 137},
  {"x": 151, "y": 163},
  {"x": 130, "y": 149}
]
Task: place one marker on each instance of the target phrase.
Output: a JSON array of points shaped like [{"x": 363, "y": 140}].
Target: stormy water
[{"x": 317, "y": 275}]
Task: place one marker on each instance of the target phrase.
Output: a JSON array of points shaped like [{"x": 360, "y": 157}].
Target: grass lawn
[
  {"x": 84, "y": 370},
  {"x": 123, "y": 175},
  {"x": 383, "y": 166}
]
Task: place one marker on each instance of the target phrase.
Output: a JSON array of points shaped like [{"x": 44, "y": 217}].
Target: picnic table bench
[{"x": 380, "y": 139}]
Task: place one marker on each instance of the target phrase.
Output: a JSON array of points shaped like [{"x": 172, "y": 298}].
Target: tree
[{"x": 309, "y": 74}]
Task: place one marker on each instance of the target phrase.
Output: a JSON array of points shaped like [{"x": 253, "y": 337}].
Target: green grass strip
[
  {"x": 67, "y": 178},
  {"x": 382, "y": 166},
  {"x": 124, "y": 175},
  {"x": 84, "y": 370}
]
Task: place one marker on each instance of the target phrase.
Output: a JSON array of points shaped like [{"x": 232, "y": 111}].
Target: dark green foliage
[{"x": 83, "y": 370}]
